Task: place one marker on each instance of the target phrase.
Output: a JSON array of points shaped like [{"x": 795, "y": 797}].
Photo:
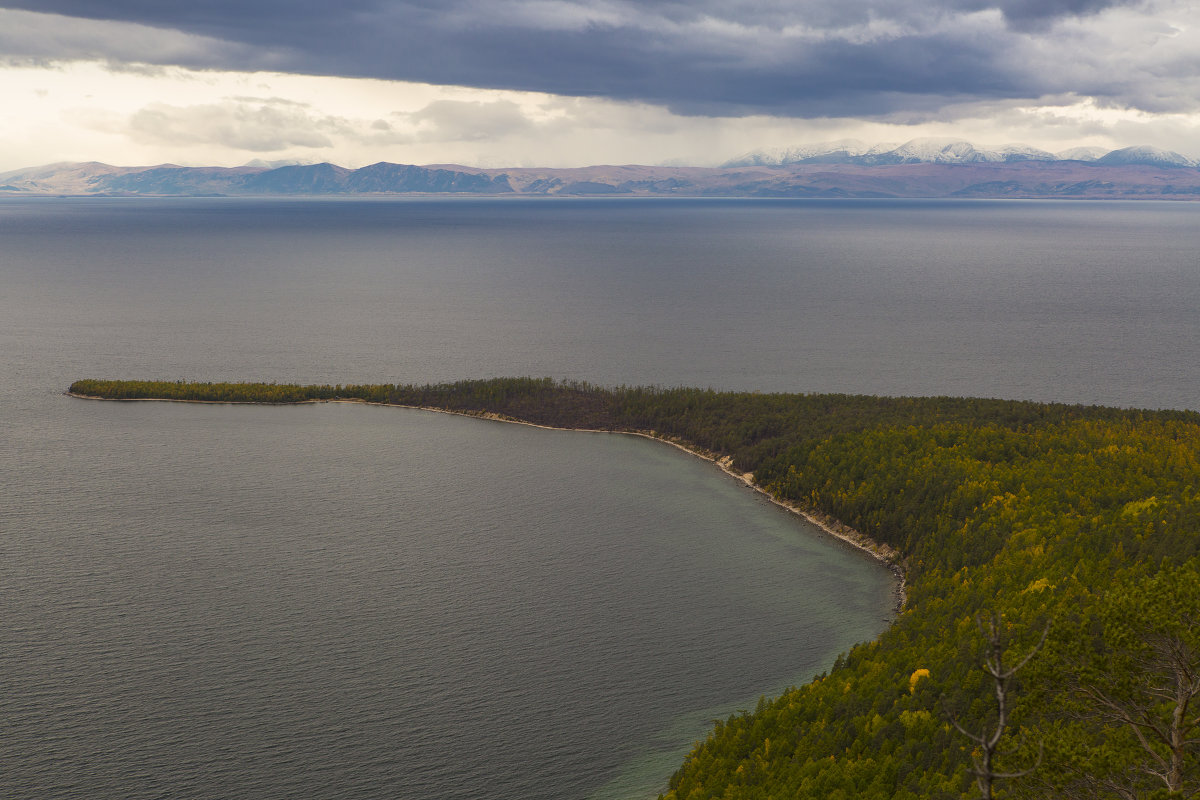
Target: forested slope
[{"x": 1077, "y": 528}]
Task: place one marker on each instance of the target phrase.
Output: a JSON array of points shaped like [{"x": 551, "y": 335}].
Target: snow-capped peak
[
  {"x": 937, "y": 151},
  {"x": 1081, "y": 154},
  {"x": 777, "y": 156},
  {"x": 1143, "y": 154},
  {"x": 1023, "y": 152}
]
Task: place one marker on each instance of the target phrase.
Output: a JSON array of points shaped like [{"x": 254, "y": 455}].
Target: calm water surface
[{"x": 338, "y": 601}]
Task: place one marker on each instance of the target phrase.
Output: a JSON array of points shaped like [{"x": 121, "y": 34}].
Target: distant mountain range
[
  {"x": 952, "y": 151},
  {"x": 315, "y": 179},
  {"x": 920, "y": 168}
]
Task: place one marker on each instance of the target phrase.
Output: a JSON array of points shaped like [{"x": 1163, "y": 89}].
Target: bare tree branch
[{"x": 988, "y": 741}]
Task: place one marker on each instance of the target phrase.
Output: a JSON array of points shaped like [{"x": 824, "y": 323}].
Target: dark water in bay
[{"x": 337, "y": 601}]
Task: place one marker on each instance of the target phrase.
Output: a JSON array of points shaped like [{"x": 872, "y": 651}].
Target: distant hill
[
  {"x": 315, "y": 179},
  {"x": 917, "y": 169}
]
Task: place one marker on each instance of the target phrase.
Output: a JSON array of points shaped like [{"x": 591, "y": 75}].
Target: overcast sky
[{"x": 575, "y": 82}]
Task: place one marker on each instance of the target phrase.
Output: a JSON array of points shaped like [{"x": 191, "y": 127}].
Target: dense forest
[{"x": 1050, "y": 643}]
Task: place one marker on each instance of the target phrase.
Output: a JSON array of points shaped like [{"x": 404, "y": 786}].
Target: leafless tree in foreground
[
  {"x": 1160, "y": 708},
  {"x": 988, "y": 742}
]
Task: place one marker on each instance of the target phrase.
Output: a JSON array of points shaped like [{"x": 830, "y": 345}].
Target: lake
[{"x": 336, "y": 601}]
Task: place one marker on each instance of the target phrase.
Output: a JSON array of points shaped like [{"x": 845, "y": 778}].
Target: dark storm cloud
[
  {"x": 220, "y": 18},
  {"x": 817, "y": 58},
  {"x": 1023, "y": 12}
]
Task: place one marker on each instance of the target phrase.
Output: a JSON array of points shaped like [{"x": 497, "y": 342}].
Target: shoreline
[{"x": 834, "y": 528}]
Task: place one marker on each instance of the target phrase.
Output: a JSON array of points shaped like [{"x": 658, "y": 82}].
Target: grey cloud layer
[
  {"x": 272, "y": 124},
  {"x": 259, "y": 127},
  {"x": 816, "y": 58}
]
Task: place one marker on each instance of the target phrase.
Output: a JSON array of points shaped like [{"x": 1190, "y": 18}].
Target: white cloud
[{"x": 237, "y": 124}]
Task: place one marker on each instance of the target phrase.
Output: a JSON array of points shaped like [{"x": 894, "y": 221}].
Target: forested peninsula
[{"x": 1049, "y": 646}]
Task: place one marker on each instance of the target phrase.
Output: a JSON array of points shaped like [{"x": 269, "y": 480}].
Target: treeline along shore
[{"x": 1049, "y": 646}]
